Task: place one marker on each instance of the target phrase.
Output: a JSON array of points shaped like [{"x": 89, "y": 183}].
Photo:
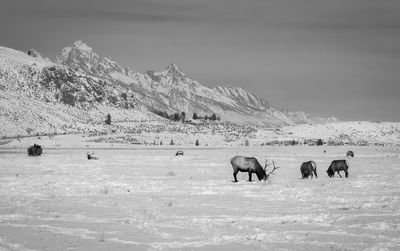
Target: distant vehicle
[
  {"x": 250, "y": 165},
  {"x": 90, "y": 156},
  {"x": 308, "y": 169},
  {"x": 35, "y": 150},
  {"x": 179, "y": 153},
  {"x": 337, "y": 166},
  {"x": 350, "y": 154}
]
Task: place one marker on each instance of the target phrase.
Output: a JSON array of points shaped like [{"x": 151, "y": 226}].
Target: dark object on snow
[
  {"x": 250, "y": 165},
  {"x": 90, "y": 156},
  {"x": 350, "y": 154},
  {"x": 336, "y": 166},
  {"x": 308, "y": 168},
  {"x": 35, "y": 150},
  {"x": 179, "y": 153}
]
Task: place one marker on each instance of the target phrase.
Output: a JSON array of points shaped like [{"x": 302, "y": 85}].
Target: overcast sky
[{"x": 329, "y": 58}]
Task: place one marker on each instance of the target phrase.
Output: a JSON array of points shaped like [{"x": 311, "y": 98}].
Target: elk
[
  {"x": 250, "y": 165},
  {"x": 35, "y": 150},
  {"x": 337, "y": 166},
  {"x": 179, "y": 153},
  {"x": 90, "y": 156},
  {"x": 350, "y": 154},
  {"x": 308, "y": 168}
]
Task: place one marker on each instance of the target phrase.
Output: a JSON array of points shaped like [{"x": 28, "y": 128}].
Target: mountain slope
[
  {"x": 39, "y": 96},
  {"x": 172, "y": 91}
]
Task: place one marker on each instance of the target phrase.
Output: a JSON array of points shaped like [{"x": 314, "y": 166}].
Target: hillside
[
  {"x": 39, "y": 96},
  {"x": 354, "y": 132}
]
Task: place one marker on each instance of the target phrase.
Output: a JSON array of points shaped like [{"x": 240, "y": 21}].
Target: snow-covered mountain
[
  {"x": 77, "y": 90},
  {"x": 171, "y": 90},
  {"x": 39, "y": 96}
]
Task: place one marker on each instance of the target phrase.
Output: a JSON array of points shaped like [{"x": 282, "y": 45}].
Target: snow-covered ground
[
  {"x": 138, "y": 199},
  {"x": 347, "y": 131}
]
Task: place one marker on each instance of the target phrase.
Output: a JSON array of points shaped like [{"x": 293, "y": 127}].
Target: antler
[
  {"x": 266, "y": 164},
  {"x": 275, "y": 167}
]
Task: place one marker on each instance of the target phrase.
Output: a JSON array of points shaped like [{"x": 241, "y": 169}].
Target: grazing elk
[
  {"x": 250, "y": 165},
  {"x": 308, "y": 168},
  {"x": 90, "y": 156},
  {"x": 35, "y": 150},
  {"x": 350, "y": 154},
  {"x": 179, "y": 153},
  {"x": 337, "y": 166}
]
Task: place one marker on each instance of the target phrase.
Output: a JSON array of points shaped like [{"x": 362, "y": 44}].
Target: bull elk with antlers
[
  {"x": 90, "y": 156},
  {"x": 250, "y": 165}
]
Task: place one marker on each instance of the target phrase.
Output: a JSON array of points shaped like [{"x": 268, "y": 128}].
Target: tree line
[{"x": 182, "y": 116}]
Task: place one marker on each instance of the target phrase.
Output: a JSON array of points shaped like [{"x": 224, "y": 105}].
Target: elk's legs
[
  {"x": 234, "y": 175},
  {"x": 249, "y": 176},
  {"x": 339, "y": 174}
]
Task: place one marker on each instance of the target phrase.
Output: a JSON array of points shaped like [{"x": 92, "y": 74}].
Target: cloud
[
  {"x": 110, "y": 15},
  {"x": 101, "y": 10}
]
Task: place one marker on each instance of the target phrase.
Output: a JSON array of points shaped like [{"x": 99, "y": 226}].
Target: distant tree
[
  {"x": 154, "y": 143},
  {"x": 161, "y": 143},
  {"x": 172, "y": 142},
  {"x": 246, "y": 142},
  {"x": 197, "y": 142},
  {"x": 108, "y": 119},
  {"x": 176, "y": 116},
  {"x": 320, "y": 142},
  {"x": 195, "y": 116},
  {"x": 183, "y": 116},
  {"x": 213, "y": 117},
  {"x": 206, "y": 117}
]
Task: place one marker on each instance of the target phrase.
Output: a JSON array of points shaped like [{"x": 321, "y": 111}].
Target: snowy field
[{"x": 148, "y": 199}]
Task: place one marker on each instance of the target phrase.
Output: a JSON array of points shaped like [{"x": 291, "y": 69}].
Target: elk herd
[
  {"x": 307, "y": 169},
  {"x": 251, "y": 165}
]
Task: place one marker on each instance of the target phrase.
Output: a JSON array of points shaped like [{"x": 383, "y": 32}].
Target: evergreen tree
[
  {"x": 108, "y": 119},
  {"x": 320, "y": 142},
  {"x": 195, "y": 116},
  {"x": 183, "y": 116},
  {"x": 172, "y": 142},
  {"x": 213, "y": 117},
  {"x": 197, "y": 142}
]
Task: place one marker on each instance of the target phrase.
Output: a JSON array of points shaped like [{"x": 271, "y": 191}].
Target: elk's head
[{"x": 330, "y": 172}]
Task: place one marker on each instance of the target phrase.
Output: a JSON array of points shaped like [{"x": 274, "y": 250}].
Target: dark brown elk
[
  {"x": 179, "y": 153},
  {"x": 350, "y": 154},
  {"x": 90, "y": 156},
  {"x": 35, "y": 150},
  {"x": 337, "y": 166},
  {"x": 250, "y": 165},
  {"x": 308, "y": 169}
]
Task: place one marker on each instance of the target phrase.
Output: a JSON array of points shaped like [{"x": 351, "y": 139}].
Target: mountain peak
[
  {"x": 82, "y": 46},
  {"x": 174, "y": 70}
]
